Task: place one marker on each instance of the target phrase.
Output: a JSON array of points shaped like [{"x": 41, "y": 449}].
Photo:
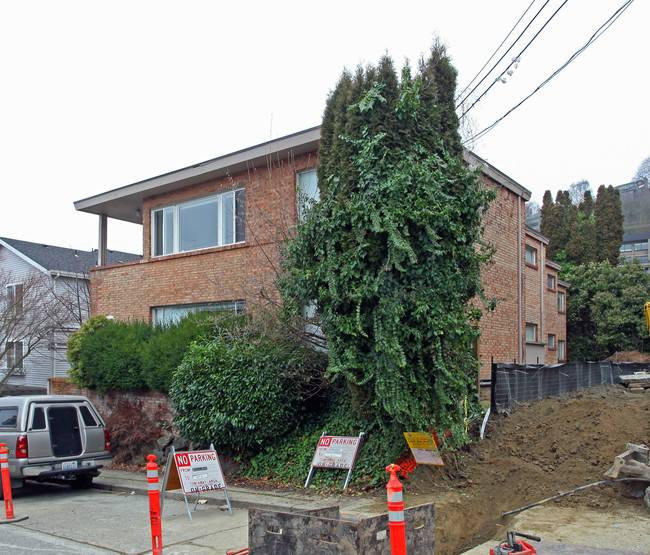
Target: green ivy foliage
[
  {"x": 392, "y": 253},
  {"x": 288, "y": 459},
  {"x": 242, "y": 389}
]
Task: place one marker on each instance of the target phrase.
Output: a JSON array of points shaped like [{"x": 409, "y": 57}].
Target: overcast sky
[{"x": 95, "y": 96}]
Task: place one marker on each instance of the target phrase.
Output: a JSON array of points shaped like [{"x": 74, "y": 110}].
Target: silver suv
[{"x": 53, "y": 438}]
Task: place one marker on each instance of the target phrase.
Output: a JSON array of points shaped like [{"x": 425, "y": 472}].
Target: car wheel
[{"x": 82, "y": 481}]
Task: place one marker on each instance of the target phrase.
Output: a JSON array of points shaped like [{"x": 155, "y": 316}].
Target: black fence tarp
[{"x": 522, "y": 382}]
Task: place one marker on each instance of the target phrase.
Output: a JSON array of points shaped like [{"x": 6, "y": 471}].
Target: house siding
[{"x": 49, "y": 359}]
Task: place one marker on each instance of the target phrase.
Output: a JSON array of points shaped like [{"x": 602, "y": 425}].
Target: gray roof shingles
[{"x": 61, "y": 259}]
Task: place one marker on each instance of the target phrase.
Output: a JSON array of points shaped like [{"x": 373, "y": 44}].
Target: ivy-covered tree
[
  {"x": 605, "y": 309},
  {"x": 392, "y": 253}
]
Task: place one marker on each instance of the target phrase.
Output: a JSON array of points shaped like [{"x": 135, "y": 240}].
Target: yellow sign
[{"x": 424, "y": 448}]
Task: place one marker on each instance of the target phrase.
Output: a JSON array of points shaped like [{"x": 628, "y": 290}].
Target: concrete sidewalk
[{"x": 244, "y": 498}]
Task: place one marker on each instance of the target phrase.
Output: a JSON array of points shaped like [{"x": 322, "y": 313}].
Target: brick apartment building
[{"x": 211, "y": 233}]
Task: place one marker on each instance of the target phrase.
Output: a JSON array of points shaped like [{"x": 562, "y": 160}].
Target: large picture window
[
  {"x": 162, "y": 315},
  {"x": 207, "y": 222}
]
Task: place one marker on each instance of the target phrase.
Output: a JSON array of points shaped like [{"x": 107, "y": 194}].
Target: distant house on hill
[
  {"x": 635, "y": 204},
  {"x": 44, "y": 296}
]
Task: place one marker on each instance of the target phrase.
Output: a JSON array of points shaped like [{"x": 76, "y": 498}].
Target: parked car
[{"x": 53, "y": 438}]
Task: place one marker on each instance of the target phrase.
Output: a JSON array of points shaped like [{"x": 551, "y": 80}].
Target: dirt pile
[
  {"x": 630, "y": 356},
  {"x": 539, "y": 450}
]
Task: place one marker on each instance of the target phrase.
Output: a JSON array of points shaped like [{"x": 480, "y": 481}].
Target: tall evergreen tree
[
  {"x": 392, "y": 253},
  {"x": 608, "y": 220}
]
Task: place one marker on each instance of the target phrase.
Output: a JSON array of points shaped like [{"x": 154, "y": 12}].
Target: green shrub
[
  {"x": 109, "y": 358},
  {"x": 75, "y": 345},
  {"x": 288, "y": 460},
  {"x": 242, "y": 389},
  {"x": 164, "y": 351}
]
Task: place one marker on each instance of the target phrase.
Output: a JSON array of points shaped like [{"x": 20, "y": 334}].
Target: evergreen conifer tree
[
  {"x": 392, "y": 253},
  {"x": 608, "y": 220}
]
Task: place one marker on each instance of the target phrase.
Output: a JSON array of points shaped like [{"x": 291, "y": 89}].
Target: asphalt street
[{"x": 66, "y": 521}]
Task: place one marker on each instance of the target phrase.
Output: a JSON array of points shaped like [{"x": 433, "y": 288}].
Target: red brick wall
[
  {"x": 152, "y": 402},
  {"x": 500, "y": 328},
  {"x": 247, "y": 271},
  {"x": 244, "y": 271}
]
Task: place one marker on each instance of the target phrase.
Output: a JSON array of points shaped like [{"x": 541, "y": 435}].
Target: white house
[{"x": 44, "y": 296}]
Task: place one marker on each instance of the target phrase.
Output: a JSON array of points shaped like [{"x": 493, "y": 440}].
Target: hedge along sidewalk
[{"x": 285, "y": 500}]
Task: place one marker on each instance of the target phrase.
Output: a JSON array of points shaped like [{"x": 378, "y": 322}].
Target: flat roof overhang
[{"x": 125, "y": 203}]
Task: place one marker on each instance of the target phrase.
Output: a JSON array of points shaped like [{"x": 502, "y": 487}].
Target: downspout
[
  {"x": 53, "y": 350},
  {"x": 542, "y": 268},
  {"x": 519, "y": 278}
]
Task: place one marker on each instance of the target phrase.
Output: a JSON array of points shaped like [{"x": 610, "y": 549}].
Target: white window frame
[
  {"x": 305, "y": 198},
  {"x": 531, "y": 327},
  {"x": 171, "y": 222},
  {"x": 533, "y": 252},
  {"x": 561, "y": 350},
  {"x": 551, "y": 282},
  {"x": 551, "y": 341},
  {"x": 561, "y": 301}
]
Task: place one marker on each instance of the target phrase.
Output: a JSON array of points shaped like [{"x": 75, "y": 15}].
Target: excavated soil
[{"x": 538, "y": 450}]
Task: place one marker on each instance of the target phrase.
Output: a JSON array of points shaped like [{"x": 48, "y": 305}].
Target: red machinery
[{"x": 512, "y": 545}]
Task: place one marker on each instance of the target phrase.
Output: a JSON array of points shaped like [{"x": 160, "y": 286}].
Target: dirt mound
[
  {"x": 630, "y": 356},
  {"x": 539, "y": 450}
]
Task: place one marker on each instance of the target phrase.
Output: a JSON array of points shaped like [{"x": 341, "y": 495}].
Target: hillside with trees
[{"x": 605, "y": 297}]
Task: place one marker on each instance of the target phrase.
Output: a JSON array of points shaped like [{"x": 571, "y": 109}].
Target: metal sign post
[{"x": 336, "y": 452}]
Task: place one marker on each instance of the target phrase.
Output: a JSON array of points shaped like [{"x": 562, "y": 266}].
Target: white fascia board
[{"x": 24, "y": 257}]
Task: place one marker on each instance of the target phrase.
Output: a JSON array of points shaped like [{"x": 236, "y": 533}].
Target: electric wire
[
  {"x": 516, "y": 57},
  {"x": 494, "y": 54},
  {"x": 599, "y": 32}
]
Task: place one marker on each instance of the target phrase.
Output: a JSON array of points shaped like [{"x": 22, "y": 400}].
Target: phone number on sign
[{"x": 209, "y": 487}]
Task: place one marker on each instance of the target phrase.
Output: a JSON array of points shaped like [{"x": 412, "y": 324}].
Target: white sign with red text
[
  {"x": 336, "y": 452},
  {"x": 199, "y": 471}
]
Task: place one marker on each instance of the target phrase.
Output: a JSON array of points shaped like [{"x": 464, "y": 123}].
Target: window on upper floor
[
  {"x": 551, "y": 341},
  {"x": 561, "y": 302},
  {"x": 561, "y": 351},
  {"x": 15, "y": 297},
  {"x": 211, "y": 221},
  {"x": 531, "y": 332},
  {"x": 643, "y": 246},
  {"x": 627, "y": 247},
  {"x": 531, "y": 255},
  {"x": 15, "y": 355},
  {"x": 642, "y": 259},
  {"x": 307, "y": 193},
  {"x": 551, "y": 282}
]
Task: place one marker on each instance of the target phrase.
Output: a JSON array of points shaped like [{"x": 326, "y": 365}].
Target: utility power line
[
  {"x": 599, "y": 32},
  {"x": 459, "y": 102},
  {"x": 516, "y": 58},
  {"x": 494, "y": 54}
]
